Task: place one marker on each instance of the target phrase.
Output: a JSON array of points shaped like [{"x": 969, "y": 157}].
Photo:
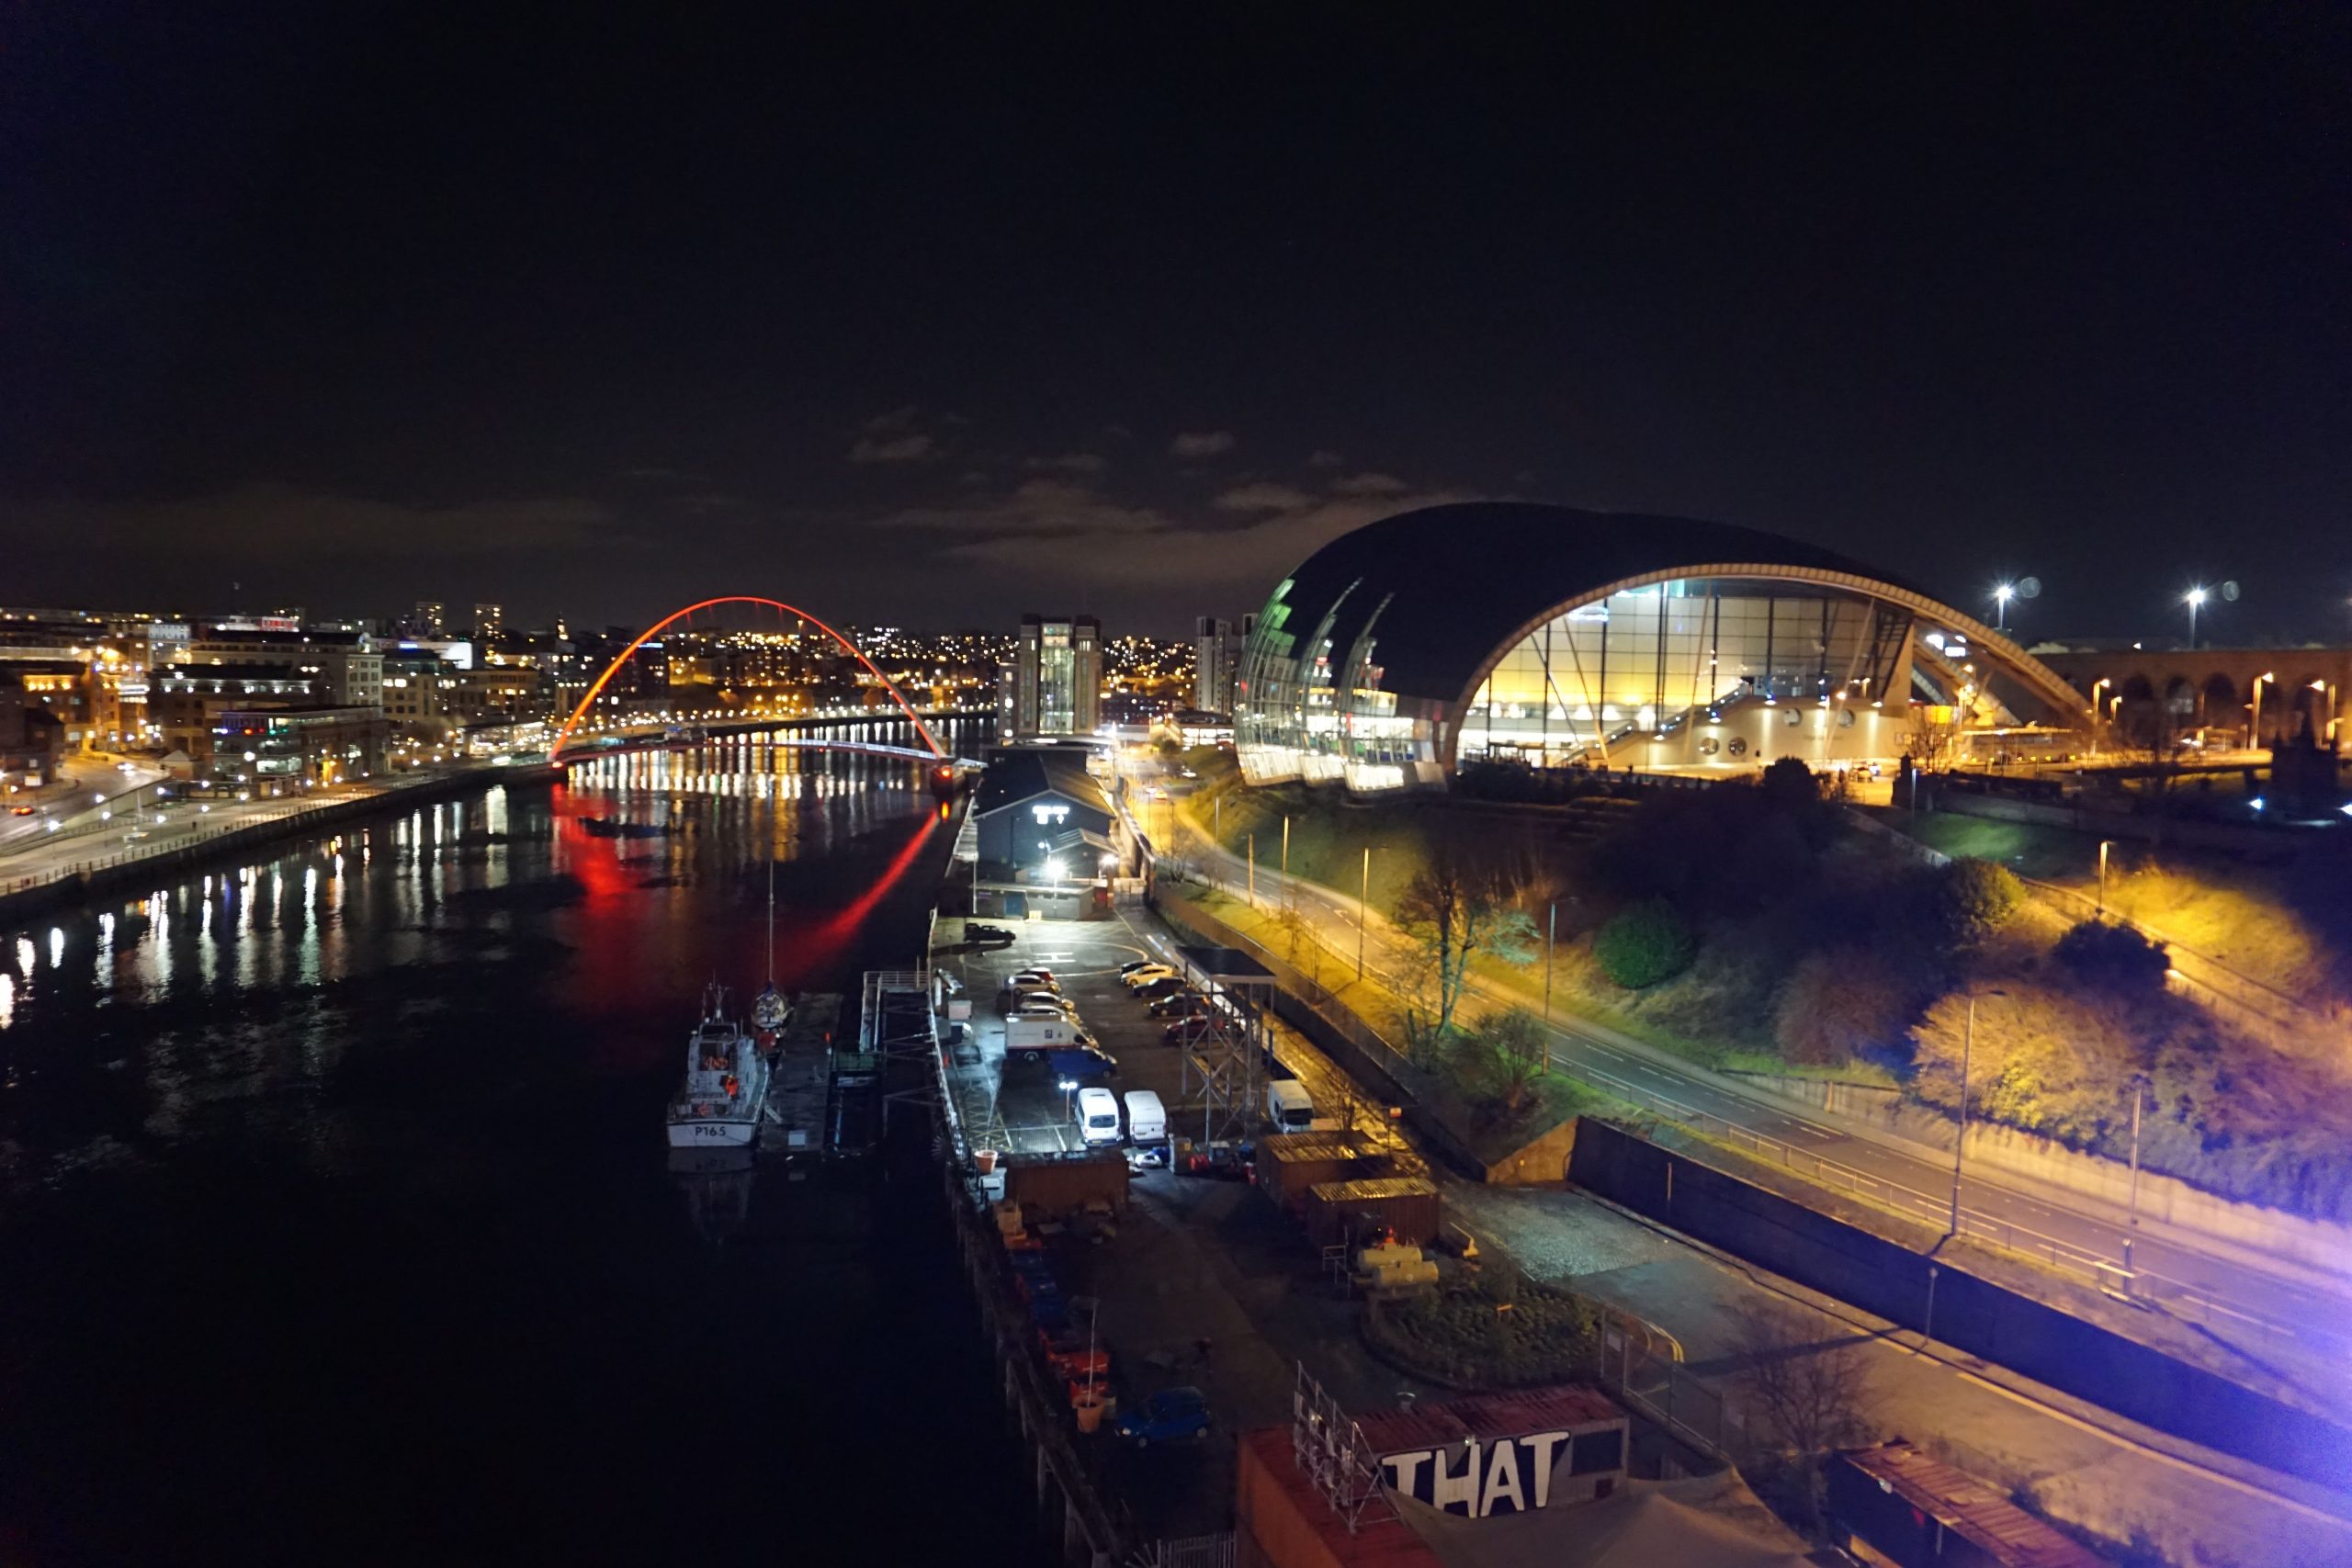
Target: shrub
[
  {"x": 1974, "y": 898},
  {"x": 1840, "y": 1005},
  {"x": 1789, "y": 782},
  {"x": 2114, "y": 957},
  {"x": 1644, "y": 945}
]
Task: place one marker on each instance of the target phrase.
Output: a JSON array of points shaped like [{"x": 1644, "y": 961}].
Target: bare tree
[
  {"x": 1809, "y": 1389},
  {"x": 1458, "y": 905}
]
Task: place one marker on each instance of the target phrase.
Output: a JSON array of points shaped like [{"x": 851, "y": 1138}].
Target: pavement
[{"x": 2270, "y": 1308}]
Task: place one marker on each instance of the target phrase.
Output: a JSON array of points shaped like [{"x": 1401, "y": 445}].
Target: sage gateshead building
[{"x": 1502, "y": 632}]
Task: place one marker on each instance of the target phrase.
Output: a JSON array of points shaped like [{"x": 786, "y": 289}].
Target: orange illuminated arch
[{"x": 555, "y": 753}]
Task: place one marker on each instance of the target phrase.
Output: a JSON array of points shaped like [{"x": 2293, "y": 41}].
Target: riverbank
[{"x": 140, "y": 867}]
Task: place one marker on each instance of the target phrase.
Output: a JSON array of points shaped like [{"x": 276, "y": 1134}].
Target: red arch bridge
[{"x": 565, "y": 749}]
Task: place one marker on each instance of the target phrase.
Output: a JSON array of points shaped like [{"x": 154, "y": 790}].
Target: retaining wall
[{"x": 1970, "y": 1314}]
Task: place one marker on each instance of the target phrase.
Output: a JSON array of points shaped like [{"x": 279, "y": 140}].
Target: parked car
[
  {"x": 1147, "y": 975},
  {"x": 1185, "y": 1030},
  {"x": 1080, "y": 1062},
  {"x": 1132, "y": 964},
  {"x": 1178, "y": 1004},
  {"x": 1173, "y": 1415},
  {"x": 1033, "y": 980},
  {"x": 987, "y": 936},
  {"x": 1166, "y": 986}
]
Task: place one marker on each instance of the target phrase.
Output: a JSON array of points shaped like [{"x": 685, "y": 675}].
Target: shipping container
[
  {"x": 1291, "y": 1162},
  {"x": 1350, "y": 1213}
]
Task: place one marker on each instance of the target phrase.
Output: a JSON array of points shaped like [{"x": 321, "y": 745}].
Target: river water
[{"x": 335, "y": 1223}]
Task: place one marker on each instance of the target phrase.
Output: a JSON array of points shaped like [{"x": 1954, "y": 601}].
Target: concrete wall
[
  {"x": 2324, "y": 1245},
  {"x": 1970, "y": 1314}
]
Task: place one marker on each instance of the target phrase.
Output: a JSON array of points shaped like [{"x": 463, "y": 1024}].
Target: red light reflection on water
[{"x": 824, "y": 942}]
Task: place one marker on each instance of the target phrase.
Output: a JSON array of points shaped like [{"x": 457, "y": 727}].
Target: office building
[
  {"x": 1056, "y": 677},
  {"x": 1217, "y": 646}
]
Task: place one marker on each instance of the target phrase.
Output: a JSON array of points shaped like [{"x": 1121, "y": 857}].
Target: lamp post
[
  {"x": 1960, "y": 1145},
  {"x": 2195, "y": 599},
  {"x": 2001, "y": 597},
  {"x": 1364, "y": 906},
  {"x": 1550, "y": 935},
  {"x": 2096, "y": 704},
  {"x": 2254, "y": 735},
  {"x": 1287, "y": 857},
  {"x": 2132, "y": 1232},
  {"x": 1251, "y": 839},
  {"x": 2103, "y": 845}
]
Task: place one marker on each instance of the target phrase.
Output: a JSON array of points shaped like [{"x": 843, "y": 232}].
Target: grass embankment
[{"x": 2242, "y": 915}]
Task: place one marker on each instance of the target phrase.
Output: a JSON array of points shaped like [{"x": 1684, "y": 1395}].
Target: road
[
  {"x": 2265, "y": 1315},
  {"x": 84, "y": 842}
]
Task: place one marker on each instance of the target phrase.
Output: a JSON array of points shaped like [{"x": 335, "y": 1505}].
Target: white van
[
  {"x": 1098, "y": 1116},
  {"x": 1289, "y": 1107},
  {"x": 1147, "y": 1117}
]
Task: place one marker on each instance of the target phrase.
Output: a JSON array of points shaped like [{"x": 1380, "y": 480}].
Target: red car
[{"x": 1185, "y": 1030}]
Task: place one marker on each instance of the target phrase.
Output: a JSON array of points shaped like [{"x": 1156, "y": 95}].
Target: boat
[
  {"x": 770, "y": 1011},
  {"x": 726, "y": 1087}
]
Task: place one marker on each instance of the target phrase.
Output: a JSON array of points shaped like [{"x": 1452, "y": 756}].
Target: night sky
[{"x": 930, "y": 315}]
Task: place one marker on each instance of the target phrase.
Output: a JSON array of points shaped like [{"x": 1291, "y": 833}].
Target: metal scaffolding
[{"x": 1226, "y": 1064}]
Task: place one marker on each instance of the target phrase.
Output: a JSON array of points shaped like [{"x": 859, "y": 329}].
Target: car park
[{"x": 1173, "y": 1415}]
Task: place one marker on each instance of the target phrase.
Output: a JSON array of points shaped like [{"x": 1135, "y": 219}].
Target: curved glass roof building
[{"x": 1507, "y": 632}]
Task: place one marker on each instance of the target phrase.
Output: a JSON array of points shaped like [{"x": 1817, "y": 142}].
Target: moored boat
[{"x": 725, "y": 1084}]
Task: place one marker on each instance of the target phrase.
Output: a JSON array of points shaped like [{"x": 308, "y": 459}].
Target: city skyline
[{"x": 858, "y": 319}]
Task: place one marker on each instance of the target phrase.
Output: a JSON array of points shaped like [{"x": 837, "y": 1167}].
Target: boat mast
[{"x": 771, "y": 922}]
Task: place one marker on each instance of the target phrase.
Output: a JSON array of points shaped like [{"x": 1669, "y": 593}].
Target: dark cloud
[{"x": 1202, "y": 443}]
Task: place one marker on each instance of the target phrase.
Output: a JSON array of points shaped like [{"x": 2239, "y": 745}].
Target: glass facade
[
  {"x": 1656, "y": 661},
  {"x": 1695, "y": 671}
]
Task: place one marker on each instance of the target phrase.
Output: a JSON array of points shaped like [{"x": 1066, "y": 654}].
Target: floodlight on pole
[
  {"x": 2195, "y": 599},
  {"x": 2001, "y": 595}
]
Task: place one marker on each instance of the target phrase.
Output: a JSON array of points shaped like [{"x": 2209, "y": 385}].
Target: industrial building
[{"x": 1501, "y": 632}]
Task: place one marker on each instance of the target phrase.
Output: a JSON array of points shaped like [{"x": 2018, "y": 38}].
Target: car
[
  {"x": 1171, "y": 1415},
  {"x": 1164, "y": 986},
  {"x": 1185, "y": 1030},
  {"x": 1077, "y": 1063},
  {"x": 1132, "y": 964},
  {"x": 1147, "y": 975},
  {"x": 987, "y": 936},
  {"x": 20, "y": 811},
  {"x": 1033, "y": 980},
  {"x": 1037, "y": 1004},
  {"x": 1178, "y": 1004}
]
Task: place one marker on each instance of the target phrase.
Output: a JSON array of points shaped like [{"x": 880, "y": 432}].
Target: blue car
[{"x": 1168, "y": 1417}]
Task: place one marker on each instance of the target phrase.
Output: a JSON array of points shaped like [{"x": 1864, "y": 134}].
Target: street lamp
[
  {"x": 2254, "y": 735},
  {"x": 2001, "y": 595},
  {"x": 1960, "y": 1145},
  {"x": 1364, "y": 906},
  {"x": 2103, "y": 845},
  {"x": 2195, "y": 599}
]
